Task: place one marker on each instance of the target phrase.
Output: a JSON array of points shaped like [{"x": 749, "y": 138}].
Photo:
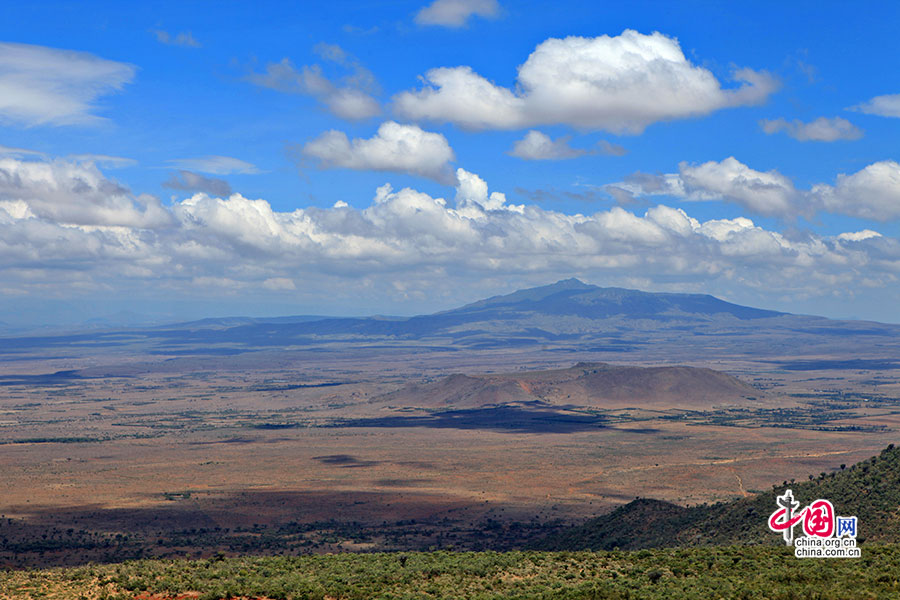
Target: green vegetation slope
[
  {"x": 746, "y": 573},
  {"x": 869, "y": 490}
]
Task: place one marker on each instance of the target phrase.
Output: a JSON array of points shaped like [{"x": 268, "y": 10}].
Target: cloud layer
[
  {"x": 46, "y": 86},
  {"x": 65, "y": 227},
  {"x": 620, "y": 84},
  {"x": 69, "y": 193},
  {"x": 871, "y": 193}
]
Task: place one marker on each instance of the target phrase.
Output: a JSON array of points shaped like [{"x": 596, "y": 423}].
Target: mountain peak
[
  {"x": 535, "y": 294},
  {"x": 573, "y": 297},
  {"x": 569, "y": 284}
]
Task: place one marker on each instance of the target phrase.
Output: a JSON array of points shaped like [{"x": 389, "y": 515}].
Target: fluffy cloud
[
  {"x": 456, "y": 13},
  {"x": 409, "y": 233},
  {"x": 883, "y": 106},
  {"x": 64, "y": 220},
  {"x": 74, "y": 193},
  {"x": 858, "y": 236},
  {"x": 395, "y": 147},
  {"x": 538, "y": 146},
  {"x": 64, "y": 227},
  {"x": 766, "y": 193},
  {"x": 184, "y": 38},
  {"x": 472, "y": 192},
  {"x": 871, "y": 193},
  {"x": 46, "y": 86},
  {"x": 217, "y": 165},
  {"x": 620, "y": 84},
  {"x": 350, "y": 98},
  {"x": 820, "y": 130}
]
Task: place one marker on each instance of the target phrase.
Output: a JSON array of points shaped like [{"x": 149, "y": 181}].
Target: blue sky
[{"x": 193, "y": 159}]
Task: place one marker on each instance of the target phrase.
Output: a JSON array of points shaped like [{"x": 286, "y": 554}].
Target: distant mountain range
[
  {"x": 571, "y": 297},
  {"x": 556, "y": 309},
  {"x": 568, "y": 316}
]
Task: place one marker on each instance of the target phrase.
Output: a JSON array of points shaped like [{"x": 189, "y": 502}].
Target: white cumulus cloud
[
  {"x": 456, "y": 13},
  {"x": 539, "y": 146},
  {"x": 819, "y": 130},
  {"x": 620, "y": 84},
  {"x": 883, "y": 106},
  {"x": 64, "y": 227},
  {"x": 766, "y": 193},
  {"x": 47, "y": 86},
  {"x": 472, "y": 191},
  {"x": 74, "y": 193},
  {"x": 858, "y": 236},
  {"x": 871, "y": 193},
  {"x": 395, "y": 147}
]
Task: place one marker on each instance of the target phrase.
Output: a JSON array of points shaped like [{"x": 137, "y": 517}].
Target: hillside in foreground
[
  {"x": 760, "y": 568},
  {"x": 869, "y": 490}
]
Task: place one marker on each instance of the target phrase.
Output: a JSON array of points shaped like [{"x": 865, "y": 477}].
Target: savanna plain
[{"x": 415, "y": 453}]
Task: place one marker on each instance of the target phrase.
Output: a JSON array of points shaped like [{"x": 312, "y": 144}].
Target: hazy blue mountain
[
  {"x": 567, "y": 316},
  {"x": 572, "y": 297},
  {"x": 226, "y": 322}
]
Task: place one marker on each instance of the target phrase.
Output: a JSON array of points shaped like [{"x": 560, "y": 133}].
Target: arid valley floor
[
  {"x": 290, "y": 452},
  {"x": 431, "y": 432}
]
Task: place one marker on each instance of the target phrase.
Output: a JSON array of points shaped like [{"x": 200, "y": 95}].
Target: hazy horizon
[
  {"x": 203, "y": 160},
  {"x": 199, "y": 312}
]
